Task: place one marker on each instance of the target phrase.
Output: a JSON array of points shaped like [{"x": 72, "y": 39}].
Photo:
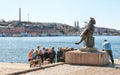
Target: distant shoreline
[
  {"x": 26, "y": 29},
  {"x": 57, "y": 36}
]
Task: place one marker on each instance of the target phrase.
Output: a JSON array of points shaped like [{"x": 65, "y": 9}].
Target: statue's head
[{"x": 92, "y": 20}]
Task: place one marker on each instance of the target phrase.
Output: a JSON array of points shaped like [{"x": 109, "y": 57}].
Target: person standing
[
  {"x": 107, "y": 47},
  {"x": 43, "y": 51},
  {"x": 40, "y": 55},
  {"x": 46, "y": 54},
  {"x": 30, "y": 55},
  {"x": 54, "y": 54},
  {"x": 60, "y": 55}
]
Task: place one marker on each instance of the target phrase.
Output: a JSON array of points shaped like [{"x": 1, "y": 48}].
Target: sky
[{"x": 105, "y": 12}]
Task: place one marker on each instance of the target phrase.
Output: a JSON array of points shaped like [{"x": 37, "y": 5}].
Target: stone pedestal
[
  {"x": 87, "y": 58},
  {"x": 84, "y": 49}
]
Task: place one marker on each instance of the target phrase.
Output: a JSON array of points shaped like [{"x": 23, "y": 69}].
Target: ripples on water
[{"x": 15, "y": 49}]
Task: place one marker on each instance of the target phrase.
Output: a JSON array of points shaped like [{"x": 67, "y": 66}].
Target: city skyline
[{"x": 106, "y": 12}]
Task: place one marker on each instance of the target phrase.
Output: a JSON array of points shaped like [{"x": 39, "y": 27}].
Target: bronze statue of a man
[{"x": 88, "y": 33}]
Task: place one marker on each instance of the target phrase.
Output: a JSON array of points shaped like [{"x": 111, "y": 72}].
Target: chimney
[{"x": 19, "y": 14}]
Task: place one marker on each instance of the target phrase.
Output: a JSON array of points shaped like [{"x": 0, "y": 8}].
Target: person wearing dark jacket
[
  {"x": 46, "y": 54},
  {"x": 53, "y": 55},
  {"x": 60, "y": 56}
]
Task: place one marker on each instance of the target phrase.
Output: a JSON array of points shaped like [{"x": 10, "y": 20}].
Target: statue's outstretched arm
[{"x": 80, "y": 40}]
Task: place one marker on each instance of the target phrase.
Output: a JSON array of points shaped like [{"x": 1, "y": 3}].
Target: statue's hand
[{"x": 77, "y": 43}]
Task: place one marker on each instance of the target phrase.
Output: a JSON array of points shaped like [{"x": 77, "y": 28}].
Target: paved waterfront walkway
[
  {"x": 67, "y": 69},
  {"x": 21, "y": 68},
  {"x": 60, "y": 69}
]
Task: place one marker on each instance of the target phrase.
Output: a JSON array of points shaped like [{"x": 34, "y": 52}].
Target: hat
[{"x": 105, "y": 40}]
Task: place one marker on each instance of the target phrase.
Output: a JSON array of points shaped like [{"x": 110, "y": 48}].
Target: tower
[
  {"x": 19, "y": 14},
  {"x": 75, "y": 24}
]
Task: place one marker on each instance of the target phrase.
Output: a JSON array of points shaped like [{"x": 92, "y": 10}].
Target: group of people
[
  {"x": 51, "y": 56},
  {"x": 46, "y": 55}
]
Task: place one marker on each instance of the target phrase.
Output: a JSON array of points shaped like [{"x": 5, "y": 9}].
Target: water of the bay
[{"x": 15, "y": 49}]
